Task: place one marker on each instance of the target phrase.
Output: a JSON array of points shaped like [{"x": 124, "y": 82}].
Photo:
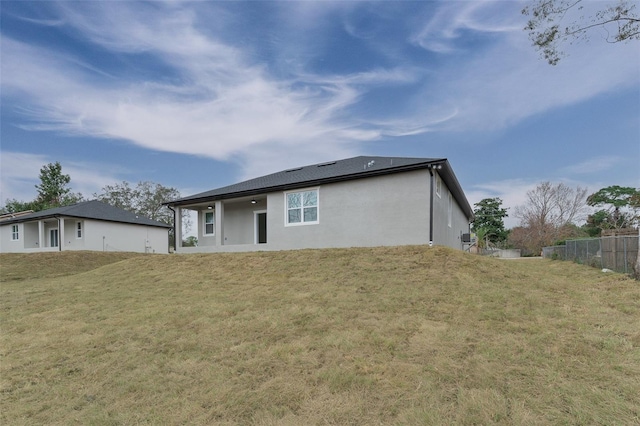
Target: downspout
[
  {"x": 175, "y": 243},
  {"x": 433, "y": 182}
]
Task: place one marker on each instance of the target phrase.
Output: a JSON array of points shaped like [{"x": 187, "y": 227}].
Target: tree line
[
  {"x": 551, "y": 214},
  {"x": 144, "y": 198}
]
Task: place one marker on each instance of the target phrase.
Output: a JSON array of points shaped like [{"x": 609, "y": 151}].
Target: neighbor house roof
[
  {"x": 89, "y": 210},
  {"x": 330, "y": 172}
]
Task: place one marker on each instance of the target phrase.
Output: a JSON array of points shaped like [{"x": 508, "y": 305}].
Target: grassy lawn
[{"x": 406, "y": 335}]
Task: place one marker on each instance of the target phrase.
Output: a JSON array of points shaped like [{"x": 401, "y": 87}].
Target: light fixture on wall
[
  {"x": 209, "y": 207},
  {"x": 254, "y": 201}
]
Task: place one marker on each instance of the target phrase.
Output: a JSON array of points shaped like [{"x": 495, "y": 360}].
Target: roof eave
[
  {"x": 302, "y": 184},
  {"x": 56, "y": 216}
]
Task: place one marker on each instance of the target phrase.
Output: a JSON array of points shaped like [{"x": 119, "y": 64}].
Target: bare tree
[
  {"x": 145, "y": 199},
  {"x": 550, "y": 212},
  {"x": 554, "y": 22}
]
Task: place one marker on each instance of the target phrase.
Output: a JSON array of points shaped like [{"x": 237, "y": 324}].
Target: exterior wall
[
  {"x": 443, "y": 233},
  {"x": 378, "y": 211},
  {"x": 203, "y": 240},
  {"x": 70, "y": 239},
  {"x": 117, "y": 237},
  {"x": 29, "y": 240},
  {"x": 31, "y": 235},
  {"x": 111, "y": 236},
  {"x": 239, "y": 223},
  {"x": 7, "y": 245}
]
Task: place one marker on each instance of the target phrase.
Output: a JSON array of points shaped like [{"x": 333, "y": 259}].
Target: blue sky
[{"x": 198, "y": 95}]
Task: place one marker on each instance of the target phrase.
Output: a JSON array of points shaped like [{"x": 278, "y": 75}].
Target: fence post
[
  {"x": 601, "y": 254},
  {"x": 624, "y": 245},
  {"x": 587, "y": 254}
]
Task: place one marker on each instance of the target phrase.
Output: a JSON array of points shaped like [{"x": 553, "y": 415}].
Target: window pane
[
  {"x": 293, "y": 200},
  {"x": 208, "y": 217},
  {"x": 310, "y": 198},
  {"x": 208, "y": 228},
  {"x": 294, "y": 216},
  {"x": 310, "y": 214}
]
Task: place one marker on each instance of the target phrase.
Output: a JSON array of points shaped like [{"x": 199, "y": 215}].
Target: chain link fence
[{"x": 618, "y": 253}]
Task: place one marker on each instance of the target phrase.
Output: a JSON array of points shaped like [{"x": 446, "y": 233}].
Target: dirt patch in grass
[{"x": 407, "y": 335}]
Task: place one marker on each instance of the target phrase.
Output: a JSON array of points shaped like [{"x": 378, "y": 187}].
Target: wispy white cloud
[
  {"x": 494, "y": 89},
  {"x": 441, "y": 33},
  {"x": 20, "y": 174},
  {"x": 594, "y": 165},
  {"x": 220, "y": 99},
  {"x": 221, "y": 106}
]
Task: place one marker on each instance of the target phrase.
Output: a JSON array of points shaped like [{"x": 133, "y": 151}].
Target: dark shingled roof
[
  {"x": 329, "y": 172},
  {"x": 89, "y": 210}
]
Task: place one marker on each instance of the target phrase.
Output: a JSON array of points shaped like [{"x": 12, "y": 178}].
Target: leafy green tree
[
  {"x": 490, "y": 220},
  {"x": 53, "y": 191},
  {"x": 547, "y": 31},
  {"x": 14, "y": 206},
  {"x": 621, "y": 207},
  {"x": 596, "y": 222}
]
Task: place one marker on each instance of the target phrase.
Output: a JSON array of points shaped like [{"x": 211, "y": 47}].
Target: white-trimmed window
[
  {"x": 438, "y": 185},
  {"x": 78, "y": 229},
  {"x": 301, "y": 207},
  {"x": 450, "y": 211},
  {"x": 209, "y": 223},
  {"x": 15, "y": 232}
]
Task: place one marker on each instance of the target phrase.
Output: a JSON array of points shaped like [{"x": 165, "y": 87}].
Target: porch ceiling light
[
  {"x": 253, "y": 201},
  {"x": 209, "y": 207}
]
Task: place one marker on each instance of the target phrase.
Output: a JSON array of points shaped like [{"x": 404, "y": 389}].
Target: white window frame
[
  {"x": 450, "y": 211},
  {"x": 212, "y": 223},
  {"x": 79, "y": 230},
  {"x": 438, "y": 186},
  {"x": 302, "y": 221},
  {"x": 15, "y": 232}
]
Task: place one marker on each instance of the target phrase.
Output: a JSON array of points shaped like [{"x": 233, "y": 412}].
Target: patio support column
[
  {"x": 41, "y": 241},
  {"x": 61, "y": 234},
  {"x": 219, "y": 223},
  {"x": 178, "y": 230}
]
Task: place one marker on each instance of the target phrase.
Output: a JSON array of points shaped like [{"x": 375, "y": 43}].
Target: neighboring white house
[
  {"x": 90, "y": 225},
  {"x": 356, "y": 202}
]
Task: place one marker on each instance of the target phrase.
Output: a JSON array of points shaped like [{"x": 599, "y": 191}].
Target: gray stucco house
[
  {"x": 356, "y": 202},
  {"x": 89, "y": 225}
]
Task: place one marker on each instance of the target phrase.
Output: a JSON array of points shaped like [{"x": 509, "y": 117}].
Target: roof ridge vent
[
  {"x": 293, "y": 170},
  {"x": 331, "y": 163}
]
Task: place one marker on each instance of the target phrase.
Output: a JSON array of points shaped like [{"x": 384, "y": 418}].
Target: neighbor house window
[
  {"x": 438, "y": 186},
  {"x": 15, "y": 232},
  {"x": 78, "y": 229},
  {"x": 450, "y": 211},
  {"x": 302, "y": 207},
  {"x": 209, "y": 223}
]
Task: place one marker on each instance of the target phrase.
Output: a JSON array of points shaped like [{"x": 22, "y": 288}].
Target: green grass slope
[
  {"x": 14, "y": 266},
  {"x": 407, "y": 335}
]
